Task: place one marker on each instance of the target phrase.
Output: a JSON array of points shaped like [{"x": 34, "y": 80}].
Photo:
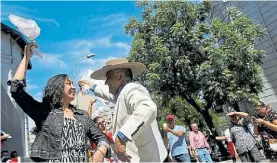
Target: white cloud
[
  {"x": 112, "y": 22},
  {"x": 82, "y": 47},
  {"x": 51, "y": 61},
  {"x": 48, "y": 21},
  {"x": 109, "y": 19},
  {"x": 106, "y": 42},
  {"x": 90, "y": 66},
  {"x": 24, "y": 12},
  {"x": 31, "y": 87}
]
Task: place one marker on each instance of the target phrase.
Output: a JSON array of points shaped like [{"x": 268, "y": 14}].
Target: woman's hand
[
  {"x": 100, "y": 153},
  {"x": 98, "y": 157},
  {"x": 27, "y": 51}
]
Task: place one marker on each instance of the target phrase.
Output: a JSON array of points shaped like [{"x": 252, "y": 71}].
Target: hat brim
[{"x": 136, "y": 68}]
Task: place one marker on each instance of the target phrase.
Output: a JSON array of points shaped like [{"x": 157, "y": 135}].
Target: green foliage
[
  {"x": 193, "y": 57},
  {"x": 184, "y": 112}
]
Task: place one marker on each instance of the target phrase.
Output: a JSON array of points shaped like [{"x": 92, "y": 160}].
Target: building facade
[
  {"x": 265, "y": 14},
  {"x": 12, "y": 117}
]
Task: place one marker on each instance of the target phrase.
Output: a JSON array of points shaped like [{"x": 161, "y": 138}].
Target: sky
[{"x": 70, "y": 30}]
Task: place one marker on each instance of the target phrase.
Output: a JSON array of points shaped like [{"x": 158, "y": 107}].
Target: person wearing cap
[
  {"x": 135, "y": 129},
  {"x": 199, "y": 144},
  {"x": 176, "y": 140}
]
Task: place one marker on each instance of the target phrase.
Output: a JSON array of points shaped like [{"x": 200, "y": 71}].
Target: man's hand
[
  {"x": 81, "y": 83},
  {"x": 166, "y": 129},
  {"x": 120, "y": 147}
]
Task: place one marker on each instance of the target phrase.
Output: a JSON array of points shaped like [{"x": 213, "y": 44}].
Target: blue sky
[{"x": 70, "y": 30}]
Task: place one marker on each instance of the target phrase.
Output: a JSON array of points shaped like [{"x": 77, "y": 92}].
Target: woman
[
  {"x": 62, "y": 130},
  {"x": 245, "y": 143},
  {"x": 266, "y": 126}
]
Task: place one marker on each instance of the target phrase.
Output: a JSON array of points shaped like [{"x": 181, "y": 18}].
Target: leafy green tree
[{"x": 192, "y": 56}]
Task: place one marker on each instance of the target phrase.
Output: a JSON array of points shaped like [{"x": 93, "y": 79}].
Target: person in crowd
[
  {"x": 90, "y": 106},
  {"x": 266, "y": 126},
  {"x": 135, "y": 129},
  {"x": 91, "y": 144},
  {"x": 176, "y": 140},
  {"x": 62, "y": 130},
  {"x": 230, "y": 144},
  {"x": 245, "y": 143},
  {"x": 4, "y": 156},
  {"x": 14, "y": 158},
  {"x": 199, "y": 144},
  {"x": 101, "y": 125}
]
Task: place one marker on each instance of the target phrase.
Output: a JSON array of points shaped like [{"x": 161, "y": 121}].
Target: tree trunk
[
  {"x": 208, "y": 119},
  {"x": 210, "y": 124}
]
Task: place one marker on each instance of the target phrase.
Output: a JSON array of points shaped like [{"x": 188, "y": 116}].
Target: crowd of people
[
  {"x": 241, "y": 140},
  {"x": 65, "y": 132},
  {"x": 10, "y": 158}
]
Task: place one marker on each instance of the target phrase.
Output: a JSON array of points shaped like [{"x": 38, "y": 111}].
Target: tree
[
  {"x": 193, "y": 56},
  {"x": 185, "y": 113}
]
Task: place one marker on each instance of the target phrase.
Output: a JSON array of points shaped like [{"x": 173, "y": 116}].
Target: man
[
  {"x": 176, "y": 140},
  {"x": 245, "y": 143},
  {"x": 135, "y": 130},
  {"x": 199, "y": 144},
  {"x": 4, "y": 156}
]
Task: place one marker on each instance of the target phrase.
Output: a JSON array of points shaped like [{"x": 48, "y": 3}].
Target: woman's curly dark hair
[
  {"x": 53, "y": 91},
  {"x": 52, "y": 95}
]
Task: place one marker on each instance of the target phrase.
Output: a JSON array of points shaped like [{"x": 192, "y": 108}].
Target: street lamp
[{"x": 73, "y": 69}]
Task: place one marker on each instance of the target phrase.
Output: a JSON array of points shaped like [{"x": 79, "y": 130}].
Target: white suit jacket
[{"x": 135, "y": 116}]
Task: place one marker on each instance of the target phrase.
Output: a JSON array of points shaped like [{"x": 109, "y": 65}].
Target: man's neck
[{"x": 120, "y": 88}]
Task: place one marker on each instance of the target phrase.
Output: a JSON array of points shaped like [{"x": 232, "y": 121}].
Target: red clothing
[
  {"x": 231, "y": 149},
  {"x": 14, "y": 160}
]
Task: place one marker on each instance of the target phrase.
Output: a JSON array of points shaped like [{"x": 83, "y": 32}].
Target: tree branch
[{"x": 191, "y": 101}]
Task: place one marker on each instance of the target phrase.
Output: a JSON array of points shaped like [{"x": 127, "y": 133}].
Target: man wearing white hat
[{"x": 135, "y": 129}]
